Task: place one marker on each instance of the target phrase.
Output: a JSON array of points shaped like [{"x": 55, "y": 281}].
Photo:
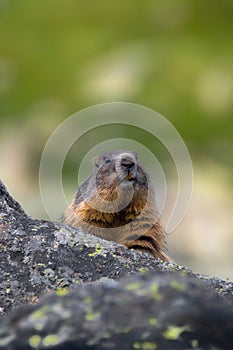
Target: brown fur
[{"x": 116, "y": 203}]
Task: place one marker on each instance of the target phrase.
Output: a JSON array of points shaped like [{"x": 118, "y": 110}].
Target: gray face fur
[{"x": 124, "y": 164}]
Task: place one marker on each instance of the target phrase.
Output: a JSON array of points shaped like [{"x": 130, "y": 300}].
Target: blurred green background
[{"x": 174, "y": 56}]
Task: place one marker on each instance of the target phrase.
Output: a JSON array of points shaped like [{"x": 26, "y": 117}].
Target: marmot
[{"x": 117, "y": 202}]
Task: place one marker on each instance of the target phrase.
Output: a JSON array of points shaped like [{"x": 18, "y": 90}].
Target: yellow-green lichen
[
  {"x": 98, "y": 250},
  {"x": 171, "y": 267},
  {"x": 62, "y": 230},
  {"x": 126, "y": 330},
  {"x": 106, "y": 335},
  {"x": 87, "y": 300},
  {"x": 145, "y": 345},
  {"x": 153, "y": 321},
  {"x": 38, "y": 317},
  {"x": 155, "y": 292},
  {"x": 177, "y": 285},
  {"x": 39, "y": 325},
  {"x": 50, "y": 340},
  {"x": 183, "y": 273},
  {"x": 34, "y": 341},
  {"x": 92, "y": 316},
  {"x": 39, "y": 313},
  {"x": 127, "y": 266},
  {"x": 194, "y": 343},
  {"x": 62, "y": 291},
  {"x": 173, "y": 332},
  {"x": 143, "y": 269},
  {"x": 76, "y": 281},
  {"x": 133, "y": 286}
]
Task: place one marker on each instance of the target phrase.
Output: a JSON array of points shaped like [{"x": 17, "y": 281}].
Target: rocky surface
[{"x": 87, "y": 304}]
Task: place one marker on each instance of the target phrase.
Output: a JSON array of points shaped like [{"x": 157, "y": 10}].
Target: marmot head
[
  {"x": 119, "y": 178},
  {"x": 119, "y": 168}
]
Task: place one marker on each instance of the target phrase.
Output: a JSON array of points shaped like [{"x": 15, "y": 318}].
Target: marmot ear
[{"x": 96, "y": 161}]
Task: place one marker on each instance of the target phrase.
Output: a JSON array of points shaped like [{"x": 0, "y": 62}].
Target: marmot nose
[{"x": 127, "y": 164}]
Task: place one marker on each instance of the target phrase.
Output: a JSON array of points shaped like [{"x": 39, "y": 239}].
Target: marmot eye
[{"x": 106, "y": 160}]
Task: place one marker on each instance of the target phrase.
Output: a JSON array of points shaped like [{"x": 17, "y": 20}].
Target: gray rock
[{"x": 168, "y": 307}]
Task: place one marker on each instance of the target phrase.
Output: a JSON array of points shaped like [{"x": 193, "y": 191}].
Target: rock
[
  {"x": 153, "y": 310},
  {"x": 168, "y": 307}
]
